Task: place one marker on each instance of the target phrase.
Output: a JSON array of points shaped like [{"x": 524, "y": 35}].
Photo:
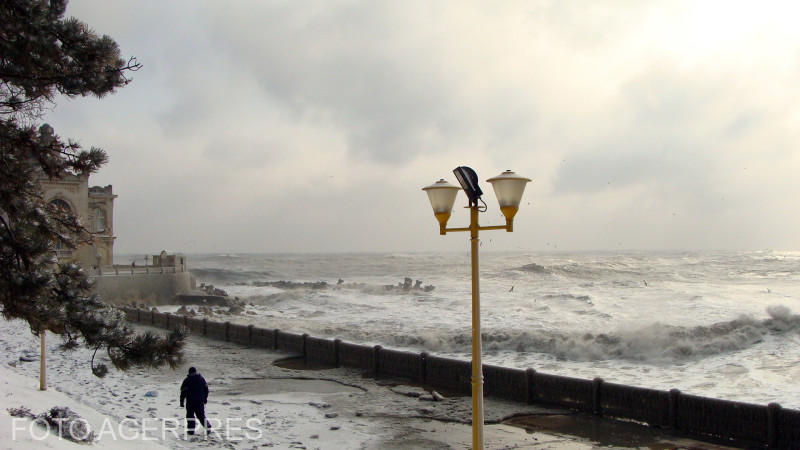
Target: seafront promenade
[
  {"x": 259, "y": 402},
  {"x": 152, "y": 284},
  {"x": 714, "y": 420}
]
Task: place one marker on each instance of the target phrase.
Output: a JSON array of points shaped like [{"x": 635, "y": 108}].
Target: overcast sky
[{"x": 281, "y": 126}]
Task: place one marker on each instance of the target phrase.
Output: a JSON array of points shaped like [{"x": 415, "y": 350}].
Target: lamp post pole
[
  {"x": 508, "y": 188},
  {"x": 42, "y": 363},
  {"x": 477, "y": 364}
]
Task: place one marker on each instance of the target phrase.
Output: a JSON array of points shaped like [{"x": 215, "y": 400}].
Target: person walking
[{"x": 194, "y": 392}]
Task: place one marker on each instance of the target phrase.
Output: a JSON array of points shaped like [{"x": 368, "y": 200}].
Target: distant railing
[
  {"x": 738, "y": 423},
  {"x": 119, "y": 270}
]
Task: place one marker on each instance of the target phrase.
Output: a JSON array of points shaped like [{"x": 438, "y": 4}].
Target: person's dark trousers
[{"x": 198, "y": 411}]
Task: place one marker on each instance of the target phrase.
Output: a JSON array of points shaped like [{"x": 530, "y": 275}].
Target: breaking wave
[
  {"x": 225, "y": 276},
  {"x": 583, "y": 271},
  {"x": 277, "y": 298},
  {"x": 570, "y": 269},
  {"x": 535, "y": 268},
  {"x": 343, "y": 288},
  {"x": 581, "y": 298},
  {"x": 655, "y": 343}
]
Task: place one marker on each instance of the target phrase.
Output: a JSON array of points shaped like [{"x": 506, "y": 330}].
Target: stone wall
[
  {"x": 148, "y": 288},
  {"x": 754, "y": 426}
]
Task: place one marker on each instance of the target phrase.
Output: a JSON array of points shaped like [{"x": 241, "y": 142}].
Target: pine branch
[
  {"x": 42, "y": 55},
  {"x": 131, "y": 66}
]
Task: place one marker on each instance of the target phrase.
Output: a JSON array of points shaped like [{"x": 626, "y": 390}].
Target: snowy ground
[
  {"x": 256, "y": 404},
  {"x": 253, "y": 404},
  {"x": 19, "y": 390}
]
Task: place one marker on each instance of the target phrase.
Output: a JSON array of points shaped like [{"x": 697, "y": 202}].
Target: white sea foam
[{"x": 702, "y": 322}]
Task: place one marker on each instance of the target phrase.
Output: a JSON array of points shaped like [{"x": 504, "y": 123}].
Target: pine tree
[{"x": 44, "y": 55}]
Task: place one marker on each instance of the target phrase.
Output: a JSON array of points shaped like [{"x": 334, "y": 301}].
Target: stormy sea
[{"x": 717, "y": 324}]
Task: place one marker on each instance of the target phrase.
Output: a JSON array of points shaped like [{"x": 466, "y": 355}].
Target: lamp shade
[
  {"x": 442, "y": 196},
  {"x": 508, "y": 188}
]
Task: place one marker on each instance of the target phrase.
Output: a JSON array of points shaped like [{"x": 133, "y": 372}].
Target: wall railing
[
  {"x": 748, "y": 424},
  {"x": 121, "y": 270}
]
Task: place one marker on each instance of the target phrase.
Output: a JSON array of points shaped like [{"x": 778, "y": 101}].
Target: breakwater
[
  {"x": 152, "y": 285},
  {"x": 746, "y": 424}
]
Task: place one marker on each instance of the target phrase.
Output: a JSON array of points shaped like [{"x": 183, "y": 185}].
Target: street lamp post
[
  {"x": 508, "y": 188},
  {"x": 42, "y": 361}
]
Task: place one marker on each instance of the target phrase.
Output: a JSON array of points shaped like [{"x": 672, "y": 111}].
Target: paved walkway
[{"x": 256, "y": 403}]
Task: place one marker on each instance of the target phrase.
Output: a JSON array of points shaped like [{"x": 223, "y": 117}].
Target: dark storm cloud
[
  {"x": 351, "y": 66},
  {"x": 620, "y": 164},
  {"x": 660, "y": 133},
  {"x": 318, "y": 122},
  {"x": 237, "y": 152}
]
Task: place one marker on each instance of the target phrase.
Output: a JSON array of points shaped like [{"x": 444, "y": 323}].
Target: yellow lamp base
[
  {"x": 442, "y": 218},
  {"x": 509, "y": 212}
]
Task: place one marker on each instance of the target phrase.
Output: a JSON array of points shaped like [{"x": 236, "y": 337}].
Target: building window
[
  {"x": 61, "y": 204},
  {"x": 99, "y": 220}
]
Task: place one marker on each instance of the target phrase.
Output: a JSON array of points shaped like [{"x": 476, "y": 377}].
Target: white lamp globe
[
  {"x": 442, "y": 196},
  {"x": 508, "y": 188}
]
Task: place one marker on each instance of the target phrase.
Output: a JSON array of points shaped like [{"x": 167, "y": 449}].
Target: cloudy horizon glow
[{"x": 312, "y": 126}]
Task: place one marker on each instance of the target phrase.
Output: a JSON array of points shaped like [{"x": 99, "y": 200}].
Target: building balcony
[{"x": 63, "y": 254}]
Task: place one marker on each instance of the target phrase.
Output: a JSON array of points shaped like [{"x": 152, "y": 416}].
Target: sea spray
[
  {"x": 655, "y": 343},
  {"x": 664, "y": 320}
]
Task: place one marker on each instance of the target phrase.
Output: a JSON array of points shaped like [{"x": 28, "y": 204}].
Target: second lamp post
[{"x": 508, "y": 188}]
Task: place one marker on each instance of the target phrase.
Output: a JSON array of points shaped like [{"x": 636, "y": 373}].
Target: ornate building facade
[{"x": 94, "y": 206}]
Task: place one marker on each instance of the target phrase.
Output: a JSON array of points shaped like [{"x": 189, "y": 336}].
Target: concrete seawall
[
  {"x": 749, "y": 425},
  {"x": 149, "y": 287}
]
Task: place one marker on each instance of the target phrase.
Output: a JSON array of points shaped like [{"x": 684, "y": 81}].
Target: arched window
[
  {"x": 99, "y": 220},
  {"x": 61, "y": 204}
]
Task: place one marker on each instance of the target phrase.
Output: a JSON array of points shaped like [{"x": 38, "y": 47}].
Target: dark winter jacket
[{"x": 194, "y": 389}]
